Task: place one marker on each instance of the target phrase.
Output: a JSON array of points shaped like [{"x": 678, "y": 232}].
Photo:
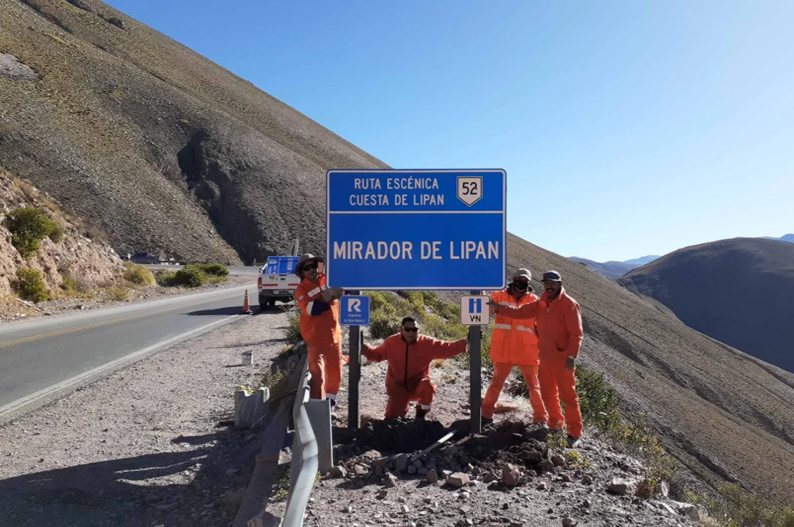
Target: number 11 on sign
[{"x": 474, "y": 310}]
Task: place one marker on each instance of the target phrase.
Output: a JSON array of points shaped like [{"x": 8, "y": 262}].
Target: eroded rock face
[
  {"x": 75, "y": 256},
  {"x": 11, "y": 67}
]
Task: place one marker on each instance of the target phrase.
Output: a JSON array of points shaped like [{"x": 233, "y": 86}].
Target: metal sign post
[
  {"x": 475, "y": 313},
  {"x": 353, "y": 417},
  {"x": 475, "y": 369},
  {"x": 416, "y": 229},
  {"x": 354, "y": 314}
]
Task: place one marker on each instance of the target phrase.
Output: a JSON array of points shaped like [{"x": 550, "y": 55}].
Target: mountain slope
[
  {"x": 611, "y": 269},
  {"x": 725, "y": 414},
  {"x": 159, "y": 147},
  {"x": 167, "y": 152},
  {"x": 614, "y": 269},
  {"x": 739, "y": 291}
]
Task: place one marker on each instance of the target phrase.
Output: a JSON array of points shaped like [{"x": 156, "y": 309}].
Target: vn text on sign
[
  {"x": 474, "y": 310},
  {"x": 354, "y": 310},
  {"x": 416, "y": 229}
]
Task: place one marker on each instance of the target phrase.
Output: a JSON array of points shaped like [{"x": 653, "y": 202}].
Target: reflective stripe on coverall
[
  {"x": 560, "y": 335},
  {"x": 408, "y": 374},
  {"x": 514, "y": 343},
  {"x": 323, "y": 337}
]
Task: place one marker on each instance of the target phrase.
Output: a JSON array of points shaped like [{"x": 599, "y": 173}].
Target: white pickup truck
[{"x": 277, "y": 280}]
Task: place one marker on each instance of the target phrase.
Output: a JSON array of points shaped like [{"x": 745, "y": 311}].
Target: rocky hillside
[
  {"x": 739, "y": 291},
  {"x": 167, "y": 152},
  {"x": 725, "y": 414},
  {"x": 88, "y": 263},
  {"x": 160, "y": 148}
]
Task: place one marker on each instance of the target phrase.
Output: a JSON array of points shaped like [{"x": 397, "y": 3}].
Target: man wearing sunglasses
[
  {"x": 409, "y": 355},
  {"x": 514, "y": 342},
  {"x": 319, "y": 325}
]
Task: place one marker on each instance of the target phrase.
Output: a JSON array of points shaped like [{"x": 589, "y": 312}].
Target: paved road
[{"x": 42, "y": 358}]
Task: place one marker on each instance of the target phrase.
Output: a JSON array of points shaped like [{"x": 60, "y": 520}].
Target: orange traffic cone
[{"x": 246, "y": 307}]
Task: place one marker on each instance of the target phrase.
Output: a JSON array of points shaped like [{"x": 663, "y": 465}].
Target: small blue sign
[
  {"x": 354, "y": 310},
  {"x": 416, "y": 229}
]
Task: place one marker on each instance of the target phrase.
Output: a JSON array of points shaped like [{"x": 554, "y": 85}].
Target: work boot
[
  {"x": 486, "y": 421},
  {"x": 421, "y": 413},
  {"x": 573, "y": 442}
]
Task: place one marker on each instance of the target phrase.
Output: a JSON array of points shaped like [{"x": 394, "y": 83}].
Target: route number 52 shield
[{"x": 469, "y": 189}]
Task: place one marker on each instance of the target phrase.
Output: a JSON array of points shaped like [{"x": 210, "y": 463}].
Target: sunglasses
[
  {"x": 412, "y": 330},
  {"x": 310, "y": 267}
]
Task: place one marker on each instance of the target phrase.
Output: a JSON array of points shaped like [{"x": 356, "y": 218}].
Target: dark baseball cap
[{"x": 551, "y": 276}]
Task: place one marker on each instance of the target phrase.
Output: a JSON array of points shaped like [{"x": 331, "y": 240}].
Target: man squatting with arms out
[
  {"x": 408, "y": 376},
  {"x": 514, "y": 342},
  {"x": 319, "y": 325},
  {"x": 559, "y": 324}
]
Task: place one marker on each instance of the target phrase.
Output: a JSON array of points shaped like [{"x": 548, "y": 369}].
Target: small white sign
[
  {"x": 474, "y": 310},
  {"x": 469, "y": 189}
]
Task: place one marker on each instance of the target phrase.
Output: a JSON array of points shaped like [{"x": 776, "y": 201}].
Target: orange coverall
[
  {"x": 323, "y": 336},
  {"x": 408, "y": 375},
  {"x": 560, "y": 334},
  {"x": 514, "y": 342}
]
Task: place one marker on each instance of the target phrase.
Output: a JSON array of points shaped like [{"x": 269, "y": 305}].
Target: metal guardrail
[{"x": 303, "y": 468}]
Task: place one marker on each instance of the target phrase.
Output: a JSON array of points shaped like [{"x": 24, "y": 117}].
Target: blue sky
[{"x": 626, "y": 128}]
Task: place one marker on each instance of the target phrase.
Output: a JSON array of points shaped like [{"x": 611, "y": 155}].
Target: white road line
[{"x": 41, "y": 397}]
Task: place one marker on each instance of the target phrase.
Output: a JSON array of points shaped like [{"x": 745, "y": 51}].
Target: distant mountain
[
  {"x": 613, "y": 269},
  {"x": 787, "y": 238},
  {"x": 642, "y": 260},
  {"x": 738, "y": 291}
]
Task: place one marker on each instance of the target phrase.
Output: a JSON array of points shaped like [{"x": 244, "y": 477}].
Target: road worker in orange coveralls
[
  {"x": 319, "y": 325},
  {"x": 514, "y": 342},
  {"x": 408, "y": 376},
  {"x": 559, "y": 324}
]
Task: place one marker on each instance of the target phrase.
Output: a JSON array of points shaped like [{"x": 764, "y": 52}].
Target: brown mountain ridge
[
  {"x": 739, "y": 291},
  {"x": 165, "y": 151}
]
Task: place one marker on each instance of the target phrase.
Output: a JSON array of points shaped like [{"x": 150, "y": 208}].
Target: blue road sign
[
  {"x": 416, "y": 229},
  {"x": 354, "y": 310}
]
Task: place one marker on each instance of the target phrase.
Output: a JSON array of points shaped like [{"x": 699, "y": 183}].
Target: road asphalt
[{"x": 43, "y": 358}]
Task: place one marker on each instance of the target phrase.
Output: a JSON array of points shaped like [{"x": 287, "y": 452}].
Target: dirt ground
[
  {"x": 149, "y": 445},
  {"x": 152, "y": 445}
]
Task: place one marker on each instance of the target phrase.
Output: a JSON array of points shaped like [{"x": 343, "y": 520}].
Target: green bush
[
  {"x": 212, "y": 269},
  {"x": 166, "y": 278},
  {"x": 190, "y": 276},
  {"x": 117, "y": 292},
  {"x": 138, "y": 274},
  {"x": 383, "y": 324},
  {"x": 597, "y": 399},
  {"x": 294, "y": 327},
  {"x": 30, "y": 225},
  {"x": 30, "y": 285}
]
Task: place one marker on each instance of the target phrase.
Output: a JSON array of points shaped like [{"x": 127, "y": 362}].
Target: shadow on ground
[{"x": 173, "y": 488}]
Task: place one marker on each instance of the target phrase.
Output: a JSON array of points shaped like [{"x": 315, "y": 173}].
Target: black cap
[{"x": 551, "y": 276}]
